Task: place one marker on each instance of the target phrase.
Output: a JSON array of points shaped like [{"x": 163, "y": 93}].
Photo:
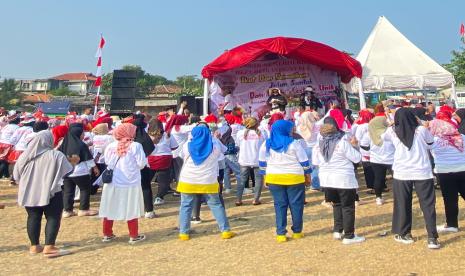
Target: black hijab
[
  {"x": 461, "y": 113},
  {"x": 142, "y": 136},
  {"x": 73, "y": 145},
  {"x": 420, "y": 112},
  {"x": 405, "y": 124},
  {"x": 39, "y": 126}
]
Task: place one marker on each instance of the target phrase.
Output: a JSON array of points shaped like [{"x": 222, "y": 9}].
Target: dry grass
[{"x": 253, "y": 252}]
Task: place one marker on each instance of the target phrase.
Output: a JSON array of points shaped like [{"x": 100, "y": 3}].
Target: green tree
[
  {"x": 8, "y": 92},
  {"x": 107, "y": 81},
  {"x": 64, "y": 91},
  {"x": 191, "y": 84},
  {"x": 457, "y": 65}
]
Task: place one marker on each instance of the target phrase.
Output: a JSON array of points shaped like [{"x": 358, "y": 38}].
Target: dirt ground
[{"x": 253, "y": 252}]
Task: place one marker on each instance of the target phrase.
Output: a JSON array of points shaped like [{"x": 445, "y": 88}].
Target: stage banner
[{"x": 249, "y": 84}]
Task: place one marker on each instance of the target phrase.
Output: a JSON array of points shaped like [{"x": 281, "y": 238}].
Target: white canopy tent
[{"x": 391, "y": 62}]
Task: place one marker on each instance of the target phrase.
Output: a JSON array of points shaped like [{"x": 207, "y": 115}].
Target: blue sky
[{"x": 172, "y": 38}]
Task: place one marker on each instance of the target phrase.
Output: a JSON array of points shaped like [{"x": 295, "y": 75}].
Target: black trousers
[
  {"x": 343, "y": 209},
  {"x": 52, "y": 213},
  {"x": 369, "y": 175},
  {"x": 69, "y": 188},
  {"x": 452, "y": 184},
  {"x": 146, "y": 183},
  {"x": 402, "y": 215},
  {"x": 198, "y": 197},
  {"x": 379, "y": 183},
  {"x": 177, "y": 166},
  {"x": 162, "y": 177},
  {"x": 4, "y": 172}
]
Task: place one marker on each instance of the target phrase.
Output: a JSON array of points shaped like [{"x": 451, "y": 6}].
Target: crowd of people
[{"x": 56, "y": 161}]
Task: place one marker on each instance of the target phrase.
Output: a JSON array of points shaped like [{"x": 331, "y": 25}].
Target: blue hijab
[
  {"x": 201, "y": 145},
  {"x": 280, "y": 137}
]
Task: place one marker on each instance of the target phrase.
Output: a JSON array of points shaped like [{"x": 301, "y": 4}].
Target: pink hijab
[{"x": 124, "y": 134}]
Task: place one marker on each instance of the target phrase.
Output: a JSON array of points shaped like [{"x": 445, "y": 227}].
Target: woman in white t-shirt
[
  {"x": 161, "y": 158},
  {"x": 100, "y": 140},
  {"x": 381, "y": 155},
  {"x": 249, "y": 140},
  {"x": 360, "y": 132},
  {"x": 412, "y": 169},
  {"x": 449, "y": 165},
  {"x": 335, "y": 157},
  {"x": 177, "y": 128},
  {"x": 308, "y": 129}
]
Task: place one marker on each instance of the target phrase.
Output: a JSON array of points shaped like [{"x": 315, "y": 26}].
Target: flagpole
[{"x": 96, "y": 101}]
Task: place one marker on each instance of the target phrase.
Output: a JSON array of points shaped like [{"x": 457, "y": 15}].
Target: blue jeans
[
  {"x": 213, "y": 201},
  {"x": 314, "y": 175},
  {"x": 231, "y": 163},
  {"x": 245, "y": 178},
  {"x": 292, "y": 197}
]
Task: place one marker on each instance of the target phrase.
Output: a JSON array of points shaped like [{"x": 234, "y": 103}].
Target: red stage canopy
[{"x": 295, "y": 48}]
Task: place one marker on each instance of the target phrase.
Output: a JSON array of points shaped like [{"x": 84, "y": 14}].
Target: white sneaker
[
  {"x": 149, "y": 215},
  {"x": 248, "y": 191},
  {"x": 227, "y": 191},
  {"x": 446, "y": 229},
  {"x": 159, "y": 201},
  {"x": 337, "y": 236},
  {"x": 138, "y": 239},
  {"x": 379, "y": 201},
  {"x": 354, "y": 240}
]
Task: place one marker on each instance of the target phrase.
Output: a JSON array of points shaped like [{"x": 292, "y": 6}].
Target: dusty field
[{"x": 253, "y": 252}]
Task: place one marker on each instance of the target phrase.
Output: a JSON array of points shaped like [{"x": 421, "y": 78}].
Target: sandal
[
  {"x": 39, "y": 249},
  {"x": 56, "y": 254},
  {"x": 238, "y": 203},
  {"x": 256, "y": 202}
]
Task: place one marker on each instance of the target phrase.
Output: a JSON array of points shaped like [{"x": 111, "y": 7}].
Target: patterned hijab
[
  {"x": 125, "y": 134},
  {"x": 447, "y": 133}
]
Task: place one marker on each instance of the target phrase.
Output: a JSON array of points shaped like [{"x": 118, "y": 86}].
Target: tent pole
[
  {"x": 454, "y": 94},
  {"x": 205, "y": 97},
  {"x": 361, "y": 96}
]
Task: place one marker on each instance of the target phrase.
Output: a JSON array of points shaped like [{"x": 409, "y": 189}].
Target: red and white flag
[
  {"x": 98, "y": 82},
  {"x": 462, "y": 32}
]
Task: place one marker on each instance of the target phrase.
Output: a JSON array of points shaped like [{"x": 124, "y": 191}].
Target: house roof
[
  {"x": 165, "y": 89},
  {"x": 75, "y": 77},
  {"x": 36, "y": 98}
]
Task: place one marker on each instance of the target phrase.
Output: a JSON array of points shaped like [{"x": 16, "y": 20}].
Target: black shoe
[
  {"x": 405, "y": 239},
  {"x": 176, "y": 194},
  {"x": 433, "y": 243}
]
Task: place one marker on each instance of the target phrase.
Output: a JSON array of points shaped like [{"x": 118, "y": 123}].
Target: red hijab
[
  {"x": 175, "y": 121},
  {"x": 59, "y": 132},
  {"x": 364, "y": 117},
  {"x": 275, "y": 117},
  {"x": 446, "y": 115},
  {"x": 338, "y": 116}
]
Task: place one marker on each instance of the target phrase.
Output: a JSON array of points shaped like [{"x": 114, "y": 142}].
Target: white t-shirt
[
  {"x": 19, "y": 137},
  {"x": 413, "y": 164},
  {"x": 249, "y": 148},
  {"x": 7, "y": 134},
  {"x": 165, "y": 146},
  {"x": 383, "y": 154},
  {"x": 181, "y": 137},
  {"x": 205, "y": 173},
  {"x": 100, "y": 142},
  {"x": 83, "y": 168},
  {"x": 363, "y": 138},
  {"x": 235, "y": 128},
  {"x": 338, "y": 172},
  {"x": 447, "y": 158},
  {"x": 126, "y": 173}
]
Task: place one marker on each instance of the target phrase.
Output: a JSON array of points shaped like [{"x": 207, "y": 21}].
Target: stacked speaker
[{"x": 123, "y": 96}]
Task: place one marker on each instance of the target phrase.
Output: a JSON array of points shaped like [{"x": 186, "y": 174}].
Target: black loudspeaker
[
  {"x": 191, "y": 105},
  {"x": 199, "y": 105},
  {"x": 123, "y": 98}
]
